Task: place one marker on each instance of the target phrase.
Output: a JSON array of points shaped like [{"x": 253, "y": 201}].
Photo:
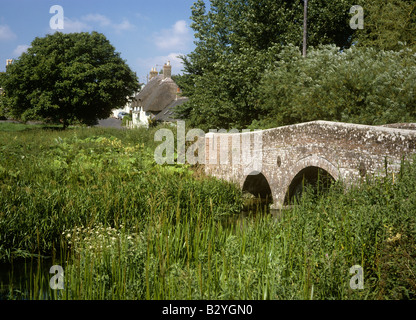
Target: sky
[{"x": 147, "y": 33}]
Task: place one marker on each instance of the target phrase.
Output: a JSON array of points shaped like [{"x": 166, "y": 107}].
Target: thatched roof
[
  {"x": 166, "y": 115},
  {"x": 157, "y": 94}
]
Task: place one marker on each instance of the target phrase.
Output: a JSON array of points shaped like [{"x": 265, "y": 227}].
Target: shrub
[{"x": 359, "y": 85}]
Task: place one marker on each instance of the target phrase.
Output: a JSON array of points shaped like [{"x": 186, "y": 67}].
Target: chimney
[
  {"x": 167, "y": 70},
  {"x": 153, "y": 73}
]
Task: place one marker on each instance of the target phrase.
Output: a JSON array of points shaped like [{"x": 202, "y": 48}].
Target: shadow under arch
[
  {"x": 316, "y": 178},
  {"x": 257, "y": 185}
]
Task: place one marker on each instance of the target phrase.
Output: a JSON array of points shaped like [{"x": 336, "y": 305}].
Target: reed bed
[{"x": 122, "y": 227}]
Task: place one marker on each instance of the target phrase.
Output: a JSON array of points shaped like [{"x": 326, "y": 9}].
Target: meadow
[{"x": 122, "y": 227}]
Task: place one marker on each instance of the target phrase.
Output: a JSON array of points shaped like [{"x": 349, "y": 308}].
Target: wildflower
[{"x": 395, "y": 238}]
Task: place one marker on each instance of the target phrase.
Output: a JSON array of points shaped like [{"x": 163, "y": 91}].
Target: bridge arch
[
  {"x": 257, "y": 184},
  {"x": 308, "y": 170},
  {"x": 343, "y": 150}
]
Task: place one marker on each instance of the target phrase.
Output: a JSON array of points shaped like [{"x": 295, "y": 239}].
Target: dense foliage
[
  {"x": 125, "y": 228},
  {"x": 68, "y": 78},
  {"x": 389, "y": 25},
  {"x": 52, "y": 181},
  {"x": 2, "y": 98},
  {"x": 236, "y": 41},
  {"x": 239, "y": 44},
  {"x": 358, "y": 85}
]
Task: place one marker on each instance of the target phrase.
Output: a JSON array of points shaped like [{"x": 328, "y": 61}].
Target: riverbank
[
  {"x": 131, "y": 229},
  {"x": 9, "y": 125}
]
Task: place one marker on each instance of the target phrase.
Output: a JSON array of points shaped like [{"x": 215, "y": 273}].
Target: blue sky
[{"x": 147, "y": 33}]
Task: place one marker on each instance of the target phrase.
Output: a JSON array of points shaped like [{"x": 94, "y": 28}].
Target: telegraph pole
[{"x": 305, "y": 26}]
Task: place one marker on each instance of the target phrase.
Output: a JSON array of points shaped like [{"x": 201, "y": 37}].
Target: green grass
[
  {"x": 15, "y": 127},
  {"x": 125, "y": 228}
]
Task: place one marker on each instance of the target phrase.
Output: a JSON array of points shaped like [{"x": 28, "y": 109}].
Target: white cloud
[
  {"x": 142, "y": 16},
  {"x": 103, "y": 21},
  {"x": 92, "y": 21},
  {"x": 123, "y": 26},
  {"x": 20, "y": 49},
  {"x": 6, "y": 33},
  {"x": 72, "y": 26},
  {"x": 177, "y": 37}
]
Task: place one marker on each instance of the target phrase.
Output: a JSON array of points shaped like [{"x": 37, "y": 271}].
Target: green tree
[
  {"x": 358, "y": 85},
  {"x": 68, "y": 79},
  {"x": 2, "y": 97},
  {"x": 388, "y": 24},
  {"x": 236, "y": 41}
]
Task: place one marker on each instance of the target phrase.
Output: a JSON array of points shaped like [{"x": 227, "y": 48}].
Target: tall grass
[
  {"x": 125, "y": 228},
  {"x": 55, "y": 181}
]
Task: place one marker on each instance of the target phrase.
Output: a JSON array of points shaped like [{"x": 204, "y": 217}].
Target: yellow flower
[{"x": 395, "y": 238}]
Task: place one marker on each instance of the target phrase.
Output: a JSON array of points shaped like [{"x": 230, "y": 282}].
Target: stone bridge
[{"x": 274, "y": 163}]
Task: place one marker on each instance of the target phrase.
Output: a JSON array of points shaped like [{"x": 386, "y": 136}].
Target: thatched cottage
[{"x": 156, "y": 101}]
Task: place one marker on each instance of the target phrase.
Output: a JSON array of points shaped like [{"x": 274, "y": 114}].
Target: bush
[
  {"x": 126, "y": 118},
  {"x": 3, "y": 109},
  {"x": 358, "y": 85}
]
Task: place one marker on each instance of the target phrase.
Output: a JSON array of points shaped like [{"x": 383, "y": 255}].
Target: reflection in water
[
  {"x": 26, "y": 279},
  {"x": 240, "y": 221},
  {"x": 254, "y": 209},
  {"x": 29, "y": 279}
]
